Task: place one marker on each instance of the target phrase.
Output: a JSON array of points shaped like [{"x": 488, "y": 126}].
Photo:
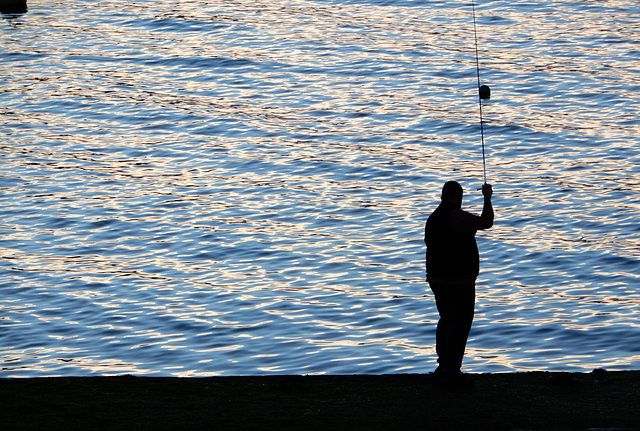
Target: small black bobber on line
[{"x": 485, "y": 92}]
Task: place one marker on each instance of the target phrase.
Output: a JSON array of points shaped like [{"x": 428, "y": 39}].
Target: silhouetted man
[{"x": 453, "y": 264}]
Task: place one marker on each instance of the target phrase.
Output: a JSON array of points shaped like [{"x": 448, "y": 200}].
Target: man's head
[{"x": 452, "y": 193}]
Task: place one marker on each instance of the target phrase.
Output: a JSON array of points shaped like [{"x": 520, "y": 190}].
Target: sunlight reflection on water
[{"x": 240, "y": 187}]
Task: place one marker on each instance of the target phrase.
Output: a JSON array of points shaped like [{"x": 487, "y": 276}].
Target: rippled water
[{"x": 240, "y": 187}]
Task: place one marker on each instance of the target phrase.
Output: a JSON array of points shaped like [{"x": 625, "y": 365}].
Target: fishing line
[{"x": 480, "y": 90}]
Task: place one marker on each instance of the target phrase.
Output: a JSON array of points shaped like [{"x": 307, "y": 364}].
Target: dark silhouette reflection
[
  {"x": 13, "y": 6},
  {"x": 453, "y": 264}
]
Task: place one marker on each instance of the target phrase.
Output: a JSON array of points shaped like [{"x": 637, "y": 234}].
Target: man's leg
[
  {"x": 462, "y": 304},
  {"x": 442, "y": 330}
]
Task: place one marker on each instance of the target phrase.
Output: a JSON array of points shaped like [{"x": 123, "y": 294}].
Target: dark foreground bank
[{"x": 527, "y": 401}]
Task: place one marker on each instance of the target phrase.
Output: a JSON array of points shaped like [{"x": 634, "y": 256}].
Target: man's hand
[{"x": 487, "y": 190}]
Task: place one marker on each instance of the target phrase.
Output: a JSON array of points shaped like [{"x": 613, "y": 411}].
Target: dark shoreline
[{"x": 525, "y": 401}]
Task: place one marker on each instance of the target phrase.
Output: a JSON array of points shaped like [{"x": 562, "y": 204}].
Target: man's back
[{"x": 452, "y": 253}]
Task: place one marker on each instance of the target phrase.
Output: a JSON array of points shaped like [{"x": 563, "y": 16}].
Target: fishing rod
[{"x": 484, "y": 92}]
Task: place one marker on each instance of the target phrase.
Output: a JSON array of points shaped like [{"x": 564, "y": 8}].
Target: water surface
[{"x": 240, "y": 187}]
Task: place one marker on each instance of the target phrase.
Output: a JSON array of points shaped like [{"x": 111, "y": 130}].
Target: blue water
[{"x": 240, "y": 187}]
